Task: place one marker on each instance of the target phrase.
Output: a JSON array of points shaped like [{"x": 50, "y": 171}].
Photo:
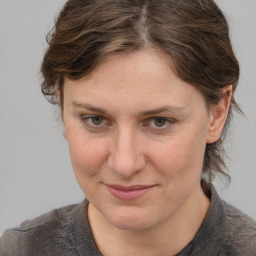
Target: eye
[
  {"x": 94, "y": 120},
  {"x": 159, "y": 122}
]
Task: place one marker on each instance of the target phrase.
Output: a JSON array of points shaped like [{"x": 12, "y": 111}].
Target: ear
[
  {"x": 218, "y": 116},
  {"x": 64, "y": 133},
  {"x": 58, "y": 94},
  {"x": 59, "y": 99}
]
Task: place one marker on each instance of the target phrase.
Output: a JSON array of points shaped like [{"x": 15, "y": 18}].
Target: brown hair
[{"x": 193, "y": 33}]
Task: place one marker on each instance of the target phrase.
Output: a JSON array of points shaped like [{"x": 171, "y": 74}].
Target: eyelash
[{"x": 86, "y": 121}]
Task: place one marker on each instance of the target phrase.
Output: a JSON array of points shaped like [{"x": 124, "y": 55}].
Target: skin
[{"x": 132, "y": 121}]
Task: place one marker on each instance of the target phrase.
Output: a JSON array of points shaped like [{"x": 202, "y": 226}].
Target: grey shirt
[{"x": 65, "y": 231}]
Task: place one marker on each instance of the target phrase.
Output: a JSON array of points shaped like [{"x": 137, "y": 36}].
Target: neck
[{"x": 166, "y": 238}]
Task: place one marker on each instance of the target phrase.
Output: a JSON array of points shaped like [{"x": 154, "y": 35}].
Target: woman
[{"x": 146, "y": 93}]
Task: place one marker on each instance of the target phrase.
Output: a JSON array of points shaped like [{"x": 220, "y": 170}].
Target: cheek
[
  {"x": 87, "y": 161},
  {"x": 87, "y": 156},
  {"x": 180, "y": 157}
]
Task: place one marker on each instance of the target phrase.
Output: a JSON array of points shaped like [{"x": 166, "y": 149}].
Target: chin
[{"x": 130, "y": 219}]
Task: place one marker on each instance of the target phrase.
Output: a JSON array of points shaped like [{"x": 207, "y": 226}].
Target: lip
[{"x": 128, "y": 193}]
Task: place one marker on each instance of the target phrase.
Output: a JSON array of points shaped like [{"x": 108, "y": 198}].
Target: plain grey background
[{"x": 36, "y": 174}]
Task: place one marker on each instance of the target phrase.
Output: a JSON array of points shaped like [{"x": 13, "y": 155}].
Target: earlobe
[{"x": 218, "y": 116}]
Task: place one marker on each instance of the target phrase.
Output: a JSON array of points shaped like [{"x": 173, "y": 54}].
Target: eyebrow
[
  {"x": 170, "y": 109},
  {"x": 89, "y": 107}
]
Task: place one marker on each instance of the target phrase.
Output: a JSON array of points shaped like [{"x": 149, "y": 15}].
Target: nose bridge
[{"x": 126, "y": 156}]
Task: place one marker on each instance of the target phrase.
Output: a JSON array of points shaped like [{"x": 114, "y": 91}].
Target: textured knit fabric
[{"x": 65, "y": 231}]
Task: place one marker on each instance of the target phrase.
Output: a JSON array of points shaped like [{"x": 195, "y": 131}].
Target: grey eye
[{"x": 96, "y": 120}]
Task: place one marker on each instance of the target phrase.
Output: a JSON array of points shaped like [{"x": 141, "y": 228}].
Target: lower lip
[{"x": 130, "y": 195}]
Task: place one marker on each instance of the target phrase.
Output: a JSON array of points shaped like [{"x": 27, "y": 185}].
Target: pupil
[
  {"x": 97, "y": 120},
  {"x": 159, "y": 122}
]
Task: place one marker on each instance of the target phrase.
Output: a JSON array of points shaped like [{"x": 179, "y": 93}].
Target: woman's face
[{"x": 137, "y": 136}]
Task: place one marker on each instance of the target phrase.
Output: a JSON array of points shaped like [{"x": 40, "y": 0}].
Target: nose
[{"x": 126, "y": 156}]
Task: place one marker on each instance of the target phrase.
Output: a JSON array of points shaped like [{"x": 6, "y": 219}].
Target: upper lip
[{"x": 129, "y": 188}]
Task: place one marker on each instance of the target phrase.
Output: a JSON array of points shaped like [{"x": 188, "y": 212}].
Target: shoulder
[
  {"x": 41, "y": 234},
  {"x": 232, "y": 231},
  {"x": 239, "y": 230},
  {"x": 226, "y": 230}
]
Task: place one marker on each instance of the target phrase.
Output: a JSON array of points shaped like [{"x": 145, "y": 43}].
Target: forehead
[
  {"x": 142, "y": 77},
  {"x": 127, "y": 67}
]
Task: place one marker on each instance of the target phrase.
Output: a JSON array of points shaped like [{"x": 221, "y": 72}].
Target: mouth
[{"x": 129, "y": 193}]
